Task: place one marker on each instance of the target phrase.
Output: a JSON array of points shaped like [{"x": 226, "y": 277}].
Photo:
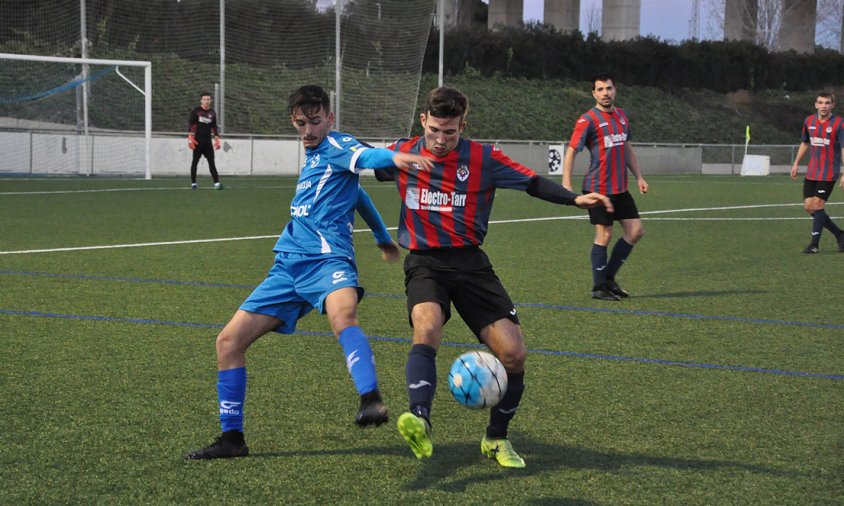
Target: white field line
[
  {"x": 101, "y": 190},
  {"x": 523, "y": 220}
]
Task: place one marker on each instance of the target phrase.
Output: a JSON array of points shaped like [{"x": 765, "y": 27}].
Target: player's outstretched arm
[
  {"x": 366, "y": 208},
  {"x": 591, "y": 200},
  {"x": 409, "y": 162},
  {"x": 546, "y": 189},
  {"x": 382, "y": 158}
]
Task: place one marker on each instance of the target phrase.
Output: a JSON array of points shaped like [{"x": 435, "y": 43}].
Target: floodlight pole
[
  {"x": 221, "y": 100},
  {"x": 441, "y": 16},
  {"x": 337, "y": 65}
]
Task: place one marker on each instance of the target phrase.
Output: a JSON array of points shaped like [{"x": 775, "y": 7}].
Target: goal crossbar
[{"x": 146, "y": 92}]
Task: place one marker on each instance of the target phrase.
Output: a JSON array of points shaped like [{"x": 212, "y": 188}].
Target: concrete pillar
[
  {"x": 740, "y": 19},
  {"x": 797, "y": 29},
  {"x": 841, "y": 43},
  {"x": 620, "y": 19},
  {"x": 505, "y": 12},
  {"x": 564, "y": 15}
]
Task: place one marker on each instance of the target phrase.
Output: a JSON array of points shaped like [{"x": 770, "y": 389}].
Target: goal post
[{"x": 146, "y": 91}]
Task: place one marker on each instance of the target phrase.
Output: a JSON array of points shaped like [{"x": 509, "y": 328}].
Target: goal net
[
  {"x": 63, "y": 115},
  {"x": 250, "y": 53}
]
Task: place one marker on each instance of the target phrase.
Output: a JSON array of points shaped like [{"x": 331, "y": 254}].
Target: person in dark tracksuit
[{"x": 202, "y": 126}]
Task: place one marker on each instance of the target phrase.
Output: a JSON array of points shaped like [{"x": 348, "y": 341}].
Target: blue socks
[
  {"x": 421, "y": 375},
  {"x": 620, "y": 252},
  {"x": 501, "y": 414},
  {"x": 818, "y": 221},
  {"x": 231, "y": 392},
  {"x": 359, "y": 359},
  {"x": 599, "y": 265}
]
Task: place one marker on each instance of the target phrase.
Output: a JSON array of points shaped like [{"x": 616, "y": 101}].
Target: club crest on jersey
[
  {"x": 463, "y": 173},
  {"x": 829, "y": 130},
  {"x": 315, "y": 160}
]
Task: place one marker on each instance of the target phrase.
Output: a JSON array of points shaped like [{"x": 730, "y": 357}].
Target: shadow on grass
[
  {"x": 704, "y": 293},
  {"x": 456, "y": 466}
]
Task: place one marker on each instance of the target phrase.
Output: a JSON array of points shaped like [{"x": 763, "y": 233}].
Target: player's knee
[
  {"x": 228, "y": 345},
  {"x": 638, "y": 234},
  {"x": 514, "y": 360}
]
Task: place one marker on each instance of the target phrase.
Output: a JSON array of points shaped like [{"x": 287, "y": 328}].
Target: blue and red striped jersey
[
  {"x": 606, "y": 135},
  {"x": 449, "y": 206},
  {"x": 824, "y": 139}
]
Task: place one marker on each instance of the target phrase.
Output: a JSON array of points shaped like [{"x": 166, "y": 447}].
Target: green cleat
[
  {"x": 502, "y": 451},
  {"x": 416, "y": 431}
]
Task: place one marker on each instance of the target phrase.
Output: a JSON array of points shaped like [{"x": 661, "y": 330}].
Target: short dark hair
[
  {"x": 308, "y": 99},
  {"x": 826, "y": 94},
  {"x": 446, "y": 102},
  {"x": 603, "y": 76},
  {"x": 205, "y": 94}
]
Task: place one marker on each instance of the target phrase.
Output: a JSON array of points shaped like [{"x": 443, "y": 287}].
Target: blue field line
[
  {"x": 693, "y": 316},
  {"x": 634, "y": 312},
  {"x": 616, "y": 358}
]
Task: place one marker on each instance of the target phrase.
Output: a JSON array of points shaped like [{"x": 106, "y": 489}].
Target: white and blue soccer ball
[{"x": 477, "y": 380}]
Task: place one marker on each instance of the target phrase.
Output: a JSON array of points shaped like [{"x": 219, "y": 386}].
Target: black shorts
[
  {"x": 459, "y": 276},
  {"x": 819, "y": 189},
  {"x": 625, "y": 209}
]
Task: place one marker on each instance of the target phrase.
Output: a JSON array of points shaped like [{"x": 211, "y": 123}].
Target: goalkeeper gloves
[
  {"x": 192, "y": 142},
  {"x": 216, "y": 143}
]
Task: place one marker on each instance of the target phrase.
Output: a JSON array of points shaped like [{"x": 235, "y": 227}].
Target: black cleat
[
  {"x": 617, "y": 290},
  {"x": 810, "y": 249},
  {"x": 372, "y": 410},
  {"x": 227, "y": 445},
  {"x": 603, "y": 293}
]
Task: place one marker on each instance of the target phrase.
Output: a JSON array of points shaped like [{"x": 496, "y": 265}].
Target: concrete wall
[{"x": 28, "y": 152}]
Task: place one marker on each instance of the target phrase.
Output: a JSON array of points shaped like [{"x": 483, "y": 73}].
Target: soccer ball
[{"x": 477, "y": 380}]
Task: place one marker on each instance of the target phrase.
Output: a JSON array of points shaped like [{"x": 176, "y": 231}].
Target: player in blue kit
[
  {"x": 314, "y": 268},
  {"x": 822, "y": 139}
]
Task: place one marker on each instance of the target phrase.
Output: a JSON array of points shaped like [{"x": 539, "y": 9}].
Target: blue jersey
[{"x": 322, "y": 210}]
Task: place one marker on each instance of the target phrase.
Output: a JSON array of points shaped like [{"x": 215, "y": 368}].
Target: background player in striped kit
[
  {"x": 444, "y": 218},
  {"x": 314, "y": 268},
  {"x": 821, "y": 137},
  {"x": 604, "y": 129},
  {"x": 202, "y": 126}
]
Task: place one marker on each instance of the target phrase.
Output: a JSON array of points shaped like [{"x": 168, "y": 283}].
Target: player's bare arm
[
  {"x": 633, "y": 165},
  {"x": 801, "y": 151},
  {"x": 568, "y": 167}
]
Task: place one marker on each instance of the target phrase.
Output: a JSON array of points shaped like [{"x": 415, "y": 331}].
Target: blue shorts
[{"x": 297, "y": 283}]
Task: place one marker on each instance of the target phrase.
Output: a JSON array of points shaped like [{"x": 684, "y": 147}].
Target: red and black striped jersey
[
  {"x": 824, "y": 139},
  {"x": 449, "y": 206},
  {"x": 606, "y": 135},
  {"x": 202, "y": 123}
]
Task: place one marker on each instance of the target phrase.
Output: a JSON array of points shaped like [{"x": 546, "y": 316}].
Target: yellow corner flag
[{"x": 747, "y": 134}]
